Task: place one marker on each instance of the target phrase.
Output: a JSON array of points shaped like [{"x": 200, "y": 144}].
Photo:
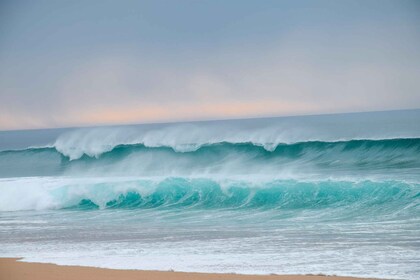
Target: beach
[{"x": 13, "y": 269}]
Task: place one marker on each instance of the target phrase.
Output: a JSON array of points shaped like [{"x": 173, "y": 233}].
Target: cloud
[{"x": 305, "y": 72}]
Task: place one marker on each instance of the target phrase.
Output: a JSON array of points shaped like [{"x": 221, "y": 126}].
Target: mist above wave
[
  {"x": 189, "y": 136},
  {"x": 347, "y": 144},
  {"x": 182, "y": 137}
]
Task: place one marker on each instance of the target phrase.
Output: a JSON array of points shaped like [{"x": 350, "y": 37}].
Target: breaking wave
[{"x": 387, "y": 197}]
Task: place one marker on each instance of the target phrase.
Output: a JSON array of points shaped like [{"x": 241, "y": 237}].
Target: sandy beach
[{"x": 12, "y": 269}]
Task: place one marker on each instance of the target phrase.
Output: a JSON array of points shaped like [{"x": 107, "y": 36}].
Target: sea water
[{"x": 331, "y": 194}]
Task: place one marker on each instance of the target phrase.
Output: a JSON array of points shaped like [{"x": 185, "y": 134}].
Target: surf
[
  {"x": 290, "y": 190},
  {"x": 208, "y": 194}
]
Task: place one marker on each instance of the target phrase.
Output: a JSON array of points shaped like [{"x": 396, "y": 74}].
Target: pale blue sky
[{"x": 65, "y": 63}]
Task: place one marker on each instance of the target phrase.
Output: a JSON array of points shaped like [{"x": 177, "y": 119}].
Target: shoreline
[{"x": 13, "y": 269}]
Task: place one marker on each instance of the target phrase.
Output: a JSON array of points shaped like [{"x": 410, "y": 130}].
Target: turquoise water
[{"x": 336, "y": 194}]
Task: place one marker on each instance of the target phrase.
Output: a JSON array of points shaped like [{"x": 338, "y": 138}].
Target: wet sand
[{"x": 12, "y": 269}]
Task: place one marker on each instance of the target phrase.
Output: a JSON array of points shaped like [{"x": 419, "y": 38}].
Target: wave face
[
  {"x": 246, "y": 196},
  {"x": 197, "y": 224},
  {"x": 201, "y": 194}
]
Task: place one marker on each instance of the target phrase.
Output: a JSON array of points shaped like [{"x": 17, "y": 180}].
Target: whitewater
[{"x": 332, "y": 194}]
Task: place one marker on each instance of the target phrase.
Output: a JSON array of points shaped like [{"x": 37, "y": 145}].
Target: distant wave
[
  {"x": 354, "y": 156},
  {"x": 268, "y": 147},
  {"x": 269, "y": 134},
  {"x": 359, "y": 145}
]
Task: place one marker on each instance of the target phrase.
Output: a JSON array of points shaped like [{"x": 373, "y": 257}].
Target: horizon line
[{"x": 210, "y": 120}]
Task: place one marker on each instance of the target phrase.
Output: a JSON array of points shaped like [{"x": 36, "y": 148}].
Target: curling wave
[{"x": 387, "y": 197}]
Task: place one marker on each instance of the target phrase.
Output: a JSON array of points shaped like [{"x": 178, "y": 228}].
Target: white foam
[{"x": 268, "y": 133}]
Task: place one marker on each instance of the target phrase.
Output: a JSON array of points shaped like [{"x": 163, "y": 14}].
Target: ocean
[{"x": 331, "y": 194}]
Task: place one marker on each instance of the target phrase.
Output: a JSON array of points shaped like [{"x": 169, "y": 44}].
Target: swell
[
  {"x": 387, "y": 155},
  {"x": 384, "y": 198}
]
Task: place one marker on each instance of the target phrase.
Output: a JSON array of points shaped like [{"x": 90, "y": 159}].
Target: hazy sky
[{"x": 67, "y": 63}]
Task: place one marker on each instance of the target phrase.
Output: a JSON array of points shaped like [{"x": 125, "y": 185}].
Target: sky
[{"x": 81, "y": 63}]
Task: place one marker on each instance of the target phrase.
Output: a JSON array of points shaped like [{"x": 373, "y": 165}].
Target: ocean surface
[{"x": 331, "y": 194}]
